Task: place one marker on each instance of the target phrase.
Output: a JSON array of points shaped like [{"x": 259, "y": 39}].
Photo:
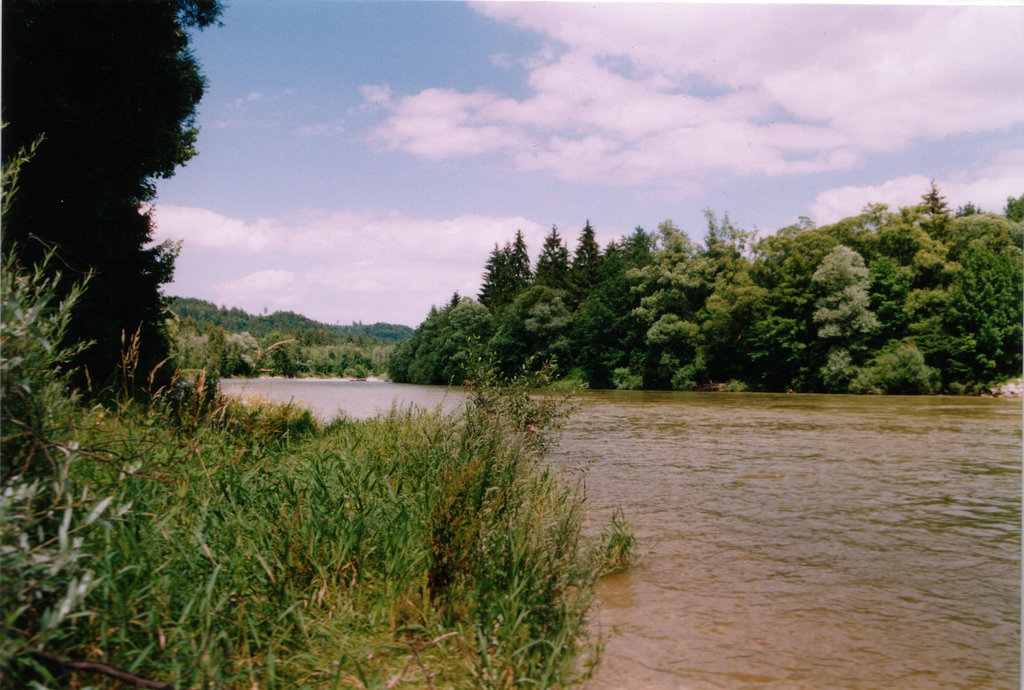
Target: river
[{"x": 791, "y": 541}]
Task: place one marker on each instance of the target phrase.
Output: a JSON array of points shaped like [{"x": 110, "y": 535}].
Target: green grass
[{"x": 198, "y": 541}]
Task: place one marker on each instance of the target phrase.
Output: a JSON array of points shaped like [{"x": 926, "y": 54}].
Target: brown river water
[{"x": 790, "y": 541}]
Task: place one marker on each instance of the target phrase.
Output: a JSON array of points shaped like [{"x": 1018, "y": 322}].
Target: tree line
[
  {"x": 231, "y": 342},
  {"x": 916, "y": 300}
]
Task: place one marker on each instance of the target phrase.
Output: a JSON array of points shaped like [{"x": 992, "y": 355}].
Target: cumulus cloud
[
  {"x": 663, "y": 94},
  {"x": 987, "y": 187},
  {"x": 337, "y": 266}
]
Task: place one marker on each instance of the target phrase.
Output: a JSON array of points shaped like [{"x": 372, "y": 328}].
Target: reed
[{"x": 215, "y": 543}]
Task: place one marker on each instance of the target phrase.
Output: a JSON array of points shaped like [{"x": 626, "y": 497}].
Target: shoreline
[{"x": 1009, "y": 389}]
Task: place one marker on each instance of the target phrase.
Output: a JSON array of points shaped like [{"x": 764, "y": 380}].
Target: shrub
[
  {"x": 624, "y": 379},
  {"x": 45, "y": 513},
  {"x": 838, "y": 370},
  {"x": 685, "y": 378},
  {"x": 900, "y": 370}
]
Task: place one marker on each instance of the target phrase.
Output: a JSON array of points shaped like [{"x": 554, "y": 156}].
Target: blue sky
[{"x": 359, "y": 160}]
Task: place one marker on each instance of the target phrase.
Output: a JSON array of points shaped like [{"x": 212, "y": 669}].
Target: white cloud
[
  {"x": 987, "y": 188},
  {"x": 203, "y": 228},
  {"x": 336, "y": 266},
  {"x": 269, "y": 287},
  {"x": 666, "y": 94}
]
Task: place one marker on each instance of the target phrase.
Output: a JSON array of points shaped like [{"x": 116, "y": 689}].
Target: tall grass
[{"x": 196, "y": 541}]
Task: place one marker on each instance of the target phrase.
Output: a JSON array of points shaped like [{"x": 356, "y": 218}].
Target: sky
[{"x": 358, "y": 161}]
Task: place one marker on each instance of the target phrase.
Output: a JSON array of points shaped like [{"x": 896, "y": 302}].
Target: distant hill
[{"x": 235, "y": 320}]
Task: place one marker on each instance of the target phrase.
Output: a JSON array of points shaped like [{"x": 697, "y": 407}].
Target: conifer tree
[
  {"x": 553, "y": 263},
  {"x": 586, "y": 263},
  {"x": 506, "y": 274},
  {"x": 519, "y": 271},
  {"x": 935, "y": 212},
  {"x": 494, "y": 273},
  {"x": 111, "y": 88}
]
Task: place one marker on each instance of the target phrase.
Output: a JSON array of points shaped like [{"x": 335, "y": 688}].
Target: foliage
[
  {"x": 46, "y": 514},
  {"x": 295, "y": 346},
  {"x": 112, "y": 88},
  {"x": 847, "y": 306}
]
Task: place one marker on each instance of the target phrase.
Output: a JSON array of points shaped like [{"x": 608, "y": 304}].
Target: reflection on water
[
  {"x": 328, "y": 398},
  {"x": 796, "y": 541},
  {"x": 807, "y": 541}
]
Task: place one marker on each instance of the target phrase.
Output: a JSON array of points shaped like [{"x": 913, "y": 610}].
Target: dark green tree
[
  {"x": 519, "y": 273},
  {"x": 608, "y": 335},
  {"x": 112, "y": 89},
  {"x": 494, "y": 292},
  {"x": 783, "y": 344},
  {"x": 536, "y": 326},
  {"x": 984, "y": 316},
  {"x": 553, "y": 263},
  {"x": 506, "y": 274},
  {"x": 586, "y": 262}
]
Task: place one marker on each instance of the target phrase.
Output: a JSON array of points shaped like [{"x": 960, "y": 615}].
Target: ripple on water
[{"x": 808, "y": 541}]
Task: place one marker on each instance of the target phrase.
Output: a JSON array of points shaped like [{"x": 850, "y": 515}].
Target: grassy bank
[{"x": 193, "y": 541}]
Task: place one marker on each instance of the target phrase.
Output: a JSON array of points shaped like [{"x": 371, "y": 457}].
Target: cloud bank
[
  {"x": 670, "y": 95},
  {"x": 335, "y": 266},
  {"x": 988, "y": 188}
]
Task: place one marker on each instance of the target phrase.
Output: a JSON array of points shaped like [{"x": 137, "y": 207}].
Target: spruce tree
[
  {"x": 586, "y": 263},
  {"x": 519, "y": 271},
  {"x": 553, "y": 263},
  {"x": 492, "y": 291},
  {"x": 935, "y": 213},
  {"x": 506, "y": 274}
]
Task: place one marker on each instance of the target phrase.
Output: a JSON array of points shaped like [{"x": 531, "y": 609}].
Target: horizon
[{"x": 359, "y": 161}]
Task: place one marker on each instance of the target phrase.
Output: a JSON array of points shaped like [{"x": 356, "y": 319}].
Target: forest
[
  {"x": 910, "y": 301},
  {"x": 231, "y": 342}
]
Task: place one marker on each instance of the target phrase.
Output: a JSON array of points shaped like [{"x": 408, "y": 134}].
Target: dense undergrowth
[{"x": 187, "y": 540}]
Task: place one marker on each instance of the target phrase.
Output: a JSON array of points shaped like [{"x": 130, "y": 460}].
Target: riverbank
[
  {"x": 257, "y": 547},
  {"x": 1010, "y": 389},
  {"x": 177, "y": 537}
]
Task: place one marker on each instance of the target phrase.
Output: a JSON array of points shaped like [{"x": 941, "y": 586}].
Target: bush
[
  {"x": 624, "y": 379},
  {"x": 46, "y": 514},
  {"x": 901, "y": 370},
  {"x": 685, "y": 378},
  {"x": 838, "y": 371}
]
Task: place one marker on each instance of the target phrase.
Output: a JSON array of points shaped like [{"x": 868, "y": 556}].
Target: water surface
[
  {"x": 795, "y": 541},
  {"x": 808, "y": 541}
]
